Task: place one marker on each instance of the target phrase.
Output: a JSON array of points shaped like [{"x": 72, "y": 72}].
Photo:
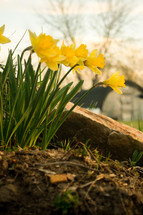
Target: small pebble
[
  {"x": 1, "y": 153},
  {"x": 26, "y": 165},
  {"x": 5, "y": 165}
]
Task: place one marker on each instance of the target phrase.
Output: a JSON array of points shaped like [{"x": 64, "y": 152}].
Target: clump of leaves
[
  {"x": 83, "y": 148},
  {"x": 136, "y": 156},
  {"x": 29, "y": 108},
  {"x": 65, "y": 144},
  {"x": 140, "y": 126},
  {"x": 66, "y": 201},
  {"x": 98, "y": 157}
]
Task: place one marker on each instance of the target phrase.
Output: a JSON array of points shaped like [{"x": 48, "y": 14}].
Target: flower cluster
[
  {"x": 75, "y": 57},
  {"x": 46, "y": 48},
  {"x": 71, "y": 56}
]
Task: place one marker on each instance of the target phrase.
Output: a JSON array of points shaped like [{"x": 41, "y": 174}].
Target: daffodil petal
[
  {"x": 4, "y": 39},
  {"x": 95, "y": 69},
  {"x": 2, "y": 29},
  {"x": 117, "y": 90},
  {"x": 52, "y": 65},
  {"x": 93, "y": 53}
]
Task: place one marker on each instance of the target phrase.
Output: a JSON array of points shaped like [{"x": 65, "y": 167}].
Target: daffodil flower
[
  {"x": 42, "y": 43},
  {"x": 3, "y": 39},
  {"x": 116, "y": 82},
  {"x": 70, "y": 58},
  {"x": 74, "y": 56},
  {"x": 46, "y": 48},
  {"x": 69, "y": 53},
  {"x": 95, "y": 61},
  {"x": 81, "y": 52}
]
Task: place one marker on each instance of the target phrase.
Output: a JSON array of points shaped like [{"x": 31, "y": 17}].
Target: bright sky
[{"x": 20, "y": 15}]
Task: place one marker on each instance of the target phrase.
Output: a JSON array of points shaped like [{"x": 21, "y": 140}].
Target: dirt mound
[{"x": 36, "y": 182}]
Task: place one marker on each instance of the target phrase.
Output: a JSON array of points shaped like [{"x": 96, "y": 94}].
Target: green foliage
[
  {"x": 83, "y": 148},
  {"x": 30, "y": 108},
  {"x": 66, "y": 201},
  {"x": 66, "y": 144},
  {"x": 138, "y": 124},
  {"x": 136, "y": 156},
  {"x": 92, "y": 105},
  {"x": 140, "y": 128},
  {"x": 98, "y": 157}
]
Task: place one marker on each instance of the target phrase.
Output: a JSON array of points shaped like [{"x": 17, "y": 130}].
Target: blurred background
[{"x": 113, "y": 27}]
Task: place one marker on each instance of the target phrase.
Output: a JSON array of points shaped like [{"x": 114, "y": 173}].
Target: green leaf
[{"x": 1, "y": 118}]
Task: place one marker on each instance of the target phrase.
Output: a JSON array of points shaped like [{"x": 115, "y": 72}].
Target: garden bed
[{"x": 54, "y": 181}]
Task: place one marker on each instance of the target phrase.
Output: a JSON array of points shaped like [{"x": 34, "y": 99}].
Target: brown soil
[{"x": 85, "y": 185}]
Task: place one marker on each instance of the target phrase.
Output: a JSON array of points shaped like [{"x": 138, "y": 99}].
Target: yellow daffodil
[
  {"x": 53, "y": 61},
  {"x": 3, "y": 39},
  {"x": 94, "y": 61},
  {"x": 46, "y": 48},
  {"x": 74, "y": 55},
  {"x": 42, "y": 43},
  {"x": 116, "y": 82},
  {"x": 81, "y": 52},
  {"x": 69, "y": 53}
]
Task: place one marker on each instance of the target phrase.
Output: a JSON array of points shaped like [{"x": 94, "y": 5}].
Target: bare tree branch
[
  {"x": 63, "y": 17},
  {"x": 111, "y": 21}
]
